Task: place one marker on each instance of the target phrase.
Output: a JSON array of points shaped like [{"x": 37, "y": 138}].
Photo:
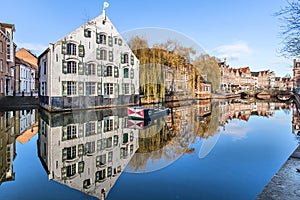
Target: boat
[
  {"x": 283, "y": 97},
  {"x": 146, "y": 113},
  {"x": 263, "y": 95}
]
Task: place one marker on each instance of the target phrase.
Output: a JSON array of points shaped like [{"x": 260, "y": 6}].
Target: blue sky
[{"x": 244, "y": 31}]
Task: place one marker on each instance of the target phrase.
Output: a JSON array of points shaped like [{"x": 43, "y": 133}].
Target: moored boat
[{"x": 146, "y": 113}]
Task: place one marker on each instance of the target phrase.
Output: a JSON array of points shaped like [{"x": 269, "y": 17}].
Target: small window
[
  {"x": 126, "y": 72},
  {"x": 87, "y": 33},
  {"x": 109, "y": 71},
  {"x": 71, "y": 49}
]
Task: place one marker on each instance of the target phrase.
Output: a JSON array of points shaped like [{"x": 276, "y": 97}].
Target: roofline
[{"x": 6, "y": 25}]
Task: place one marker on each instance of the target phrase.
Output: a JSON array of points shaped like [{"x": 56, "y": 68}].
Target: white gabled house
[{"x": 91, "y": 67}]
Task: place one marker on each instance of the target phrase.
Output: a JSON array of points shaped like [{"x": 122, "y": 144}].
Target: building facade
[
  {"x": 296, "y": 75},
  {"x": 31, "y": 59},
  {"x": 7, "y": 59},
  {"x": 87, "y": 150},
  {"x": 24, "y": 81},
  {"x": 90, "y": 67}
]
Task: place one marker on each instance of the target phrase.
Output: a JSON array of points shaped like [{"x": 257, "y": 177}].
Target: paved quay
[
  {"x": 18, "y": 103},
  {"x": 285, "y": 184}
]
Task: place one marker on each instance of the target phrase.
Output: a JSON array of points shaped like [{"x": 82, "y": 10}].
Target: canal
[{"x": 208, "y": 149}]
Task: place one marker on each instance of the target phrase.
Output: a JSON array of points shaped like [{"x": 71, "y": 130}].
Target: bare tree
[{"x": 290, "y": 24}]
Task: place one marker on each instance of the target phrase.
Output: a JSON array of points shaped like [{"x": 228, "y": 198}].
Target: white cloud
[
  {"x": 34, "y": 48},
  {"x": 237, "y": 131},
  {"x": 233, "y": 51}
]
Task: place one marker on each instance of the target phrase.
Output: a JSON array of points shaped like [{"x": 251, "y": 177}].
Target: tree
[{"x": 290, "y": 19}]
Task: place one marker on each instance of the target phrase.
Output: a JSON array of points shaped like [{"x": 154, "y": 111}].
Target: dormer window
[
  {"x": 71, "y": 49},
  {"x": 87, "y": 33}
]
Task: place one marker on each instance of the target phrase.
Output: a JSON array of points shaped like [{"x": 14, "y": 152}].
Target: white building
[
  {"x": 87, "y": 150},
  {"x": 90, "y": 67},
  {"x": 25, "y": 78}
]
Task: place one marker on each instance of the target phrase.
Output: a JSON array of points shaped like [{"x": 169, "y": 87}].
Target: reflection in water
[
  {"x": 168, "y": 139},
  {"x": 13, "y": 124},
  {"x": 86, "y": 150}
]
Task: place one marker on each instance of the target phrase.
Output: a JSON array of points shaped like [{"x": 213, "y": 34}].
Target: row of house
[
  {"x": 18, "y": 69},
  {"x": 235, "y": 79}
]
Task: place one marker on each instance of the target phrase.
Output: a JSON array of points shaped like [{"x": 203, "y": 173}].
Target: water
[{"x": 203, "y": 150}]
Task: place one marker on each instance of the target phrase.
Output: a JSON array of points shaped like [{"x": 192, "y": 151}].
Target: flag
[{"x": 105, "y": 5}]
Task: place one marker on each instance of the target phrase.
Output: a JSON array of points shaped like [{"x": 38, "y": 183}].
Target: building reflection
[
  {"x": 86, "y": 150},
  {"x": 13, "y": 124}
]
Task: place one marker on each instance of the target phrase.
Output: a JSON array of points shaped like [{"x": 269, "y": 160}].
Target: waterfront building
[
  {"x": 7, "y": 59},
  {"x": 86, "y": 150},
  {"x": 7, "y": 146},
  {"x": 90, "y": 67},
  {"x": 24, "y": 80},
  {"x": 27, "y": 56},
  {"x": 296, "y": 75}
]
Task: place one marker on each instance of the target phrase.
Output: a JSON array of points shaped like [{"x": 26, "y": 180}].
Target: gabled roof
[
  {"x": 28, "y": 57},
  {"x": 5, "y": 25}
]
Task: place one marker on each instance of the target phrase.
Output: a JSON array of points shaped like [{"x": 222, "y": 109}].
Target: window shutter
[
  {"x": 87, "y": 69},
  {"x": 80, "y": 150},
  {"x": 132, "y": 73},
  {"x": 81, "y": 88},
  {"x": 120, "y": 42},
  {"x": 99, "y": 70},
  {"x": 99, "y": 125},
  {"x": 98, "y": 38},
  {"x": 98, "y": 54},
  {"x": 110, "y": 42},
  {"x": 123, "y": 88},
  {"x": 99, "y": 89},
  {"x": 86, "y": 32},
  {"x": 116, "y": 72},
  {"x": 64, "y": 154},
  {"x": 122, "y": 58},
  {"x": 116, "y": 89},
  {"x": 64, "y": 133},
  {"x": 81, "y": 51},
  {"x": 132, "y": 89},
  {"x": 64, "y": 172},
  {"x": 64, "y": 88},
  {"x": 64, "y": 67},
  {"x": 132, "y": 60},
  {"x": 80, "y": 130},
  {"x": 64, "y": 47},
  {"x": 81, "y": 167},
  {"x": 110, "y": 56},
  {"x": 81, "y": 68}
]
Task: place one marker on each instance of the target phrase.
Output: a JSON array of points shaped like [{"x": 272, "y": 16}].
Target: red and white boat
[{"x": 146, "y": 113}]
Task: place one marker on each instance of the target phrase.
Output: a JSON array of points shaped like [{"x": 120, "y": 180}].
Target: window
[
  {"x": 125, "y": 138},
  {"x": 116, "y": 140},
  {"x": 69, "y": 153},
  {"x": 102, "y": 38},
  {"x": 90, "y": 128},
  {"x": 1, "y": 85},
  {"x": 109, "y": 142},
  {"x": 86, "y": 183},
  {"x": 71, "y": 49},
  {"x": 103, "y": 54},
  {"x": 71, "y": 132},
  {"x": 1, "y": 65},
  {"x": 108, "y": 88},
  {"x": 109, "y": 71},
  {"x": 90, "y": 147},
  {"x": 90, "y": 88},
  {"x": 87, "y": 33},
  {"x": 45, "y": 67},
  {"x": 8, "y": 51},
  {"x": 91, "y": 69},
  {"x": 101, "y": 144},
  {"x": 1, "y": 46},
  {"x": 100, "y": 175},
  {"x": 108, "y": 125},
  {"x": 101, "y": 160},
  {"x": 71, "y": 170},
  {"x": 71, "y": 67},
  {"x": 126, "y": 72},
  {"x": 126, "y": 58},
  {"x": 71, "y": 88},
  {"x": 125, "y": 88},
  {"x": 116, "y": 40}
]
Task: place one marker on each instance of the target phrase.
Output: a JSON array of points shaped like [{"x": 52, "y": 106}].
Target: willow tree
[
  {"x": 208, "y": 68},
  {"x": 155, "y": 61}
]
